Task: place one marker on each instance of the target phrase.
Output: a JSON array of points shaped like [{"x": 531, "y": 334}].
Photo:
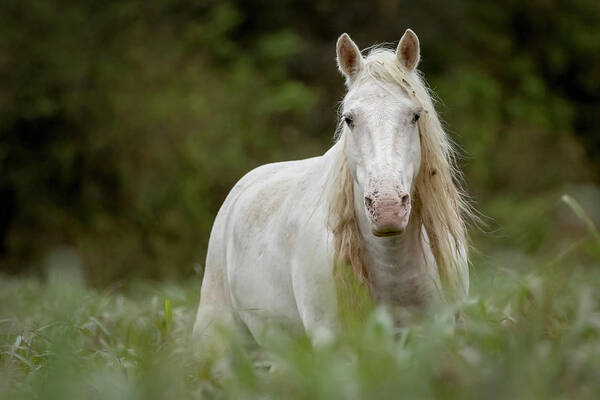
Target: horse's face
[
  {"x": 383, "y": 152},
  {"x": 383, "y": 148}
]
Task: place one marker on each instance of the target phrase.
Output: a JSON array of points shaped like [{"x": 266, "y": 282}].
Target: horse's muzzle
[{"x": 388, "y": 212}]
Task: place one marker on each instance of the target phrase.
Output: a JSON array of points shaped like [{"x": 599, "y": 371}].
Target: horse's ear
[
  {"x": 408, "y": 50},
  {"x": 349, "y": 58}
]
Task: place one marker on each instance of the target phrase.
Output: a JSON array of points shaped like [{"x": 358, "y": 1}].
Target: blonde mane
[{"x": 439, "y": 203}]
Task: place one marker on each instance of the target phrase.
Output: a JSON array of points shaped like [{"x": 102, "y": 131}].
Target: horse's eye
[
  {"x": 416, "y": 117},
  {"x": 349, "y": 121}
]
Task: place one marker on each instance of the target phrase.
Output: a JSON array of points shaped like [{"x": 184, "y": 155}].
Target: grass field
[{"x": 531, "y": 329}]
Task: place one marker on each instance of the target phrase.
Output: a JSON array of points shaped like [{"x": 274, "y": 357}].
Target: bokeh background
[{"x": 123, "y": 124}]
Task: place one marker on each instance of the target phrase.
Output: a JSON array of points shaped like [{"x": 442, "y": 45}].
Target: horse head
[{"x": 382, "y": 147}]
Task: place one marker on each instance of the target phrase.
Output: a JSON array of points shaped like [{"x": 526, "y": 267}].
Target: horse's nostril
[
  {"x": 405, "y": 200},
  {"x": 368, "y": 202}
]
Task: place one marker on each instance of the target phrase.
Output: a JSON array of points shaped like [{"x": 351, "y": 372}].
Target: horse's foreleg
[
  {"x": 315, "y": 298},
  {"x": 215, "y": 323}
]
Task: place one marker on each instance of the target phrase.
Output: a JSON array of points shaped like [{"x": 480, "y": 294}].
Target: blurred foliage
[
  {"x": 124, "y": 124},
  {"x": 531, "y": 330}
]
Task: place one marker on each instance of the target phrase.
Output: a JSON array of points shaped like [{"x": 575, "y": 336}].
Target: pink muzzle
[{"x": 388, "y": 211}]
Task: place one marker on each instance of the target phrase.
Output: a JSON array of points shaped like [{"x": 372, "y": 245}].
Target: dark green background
[{"x": 123, "y": 124}]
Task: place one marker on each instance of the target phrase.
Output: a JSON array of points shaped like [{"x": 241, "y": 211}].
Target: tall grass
[{"x": 531, "y": 329}]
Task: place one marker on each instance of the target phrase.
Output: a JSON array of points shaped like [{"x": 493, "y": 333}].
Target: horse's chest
[{"x": 403, "y": 285}]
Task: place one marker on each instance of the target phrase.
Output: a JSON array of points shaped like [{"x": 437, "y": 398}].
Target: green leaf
[{"x": 168, "y": 315}]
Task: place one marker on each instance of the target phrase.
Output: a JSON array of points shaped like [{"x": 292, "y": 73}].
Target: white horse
[{"x": 383, "y": 202}]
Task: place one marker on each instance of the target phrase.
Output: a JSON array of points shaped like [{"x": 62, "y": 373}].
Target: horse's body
[
  {"x": 283, "y": 226},
  {"x": 266, "y": 250}
]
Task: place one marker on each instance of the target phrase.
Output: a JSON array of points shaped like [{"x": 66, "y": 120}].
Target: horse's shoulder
[{"x": 266, "y": 190}]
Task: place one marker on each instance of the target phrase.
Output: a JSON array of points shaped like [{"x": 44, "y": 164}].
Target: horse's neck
[{"x": 399, "y": 268}]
